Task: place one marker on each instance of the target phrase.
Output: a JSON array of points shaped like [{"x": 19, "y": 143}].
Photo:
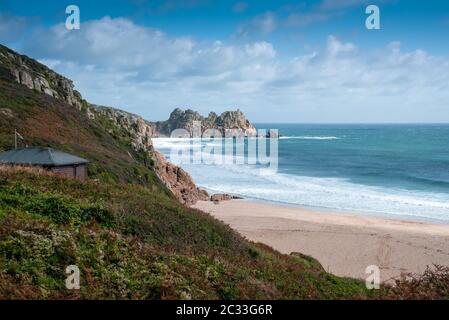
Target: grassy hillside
[
  {"x": 133, "y": 243},
  {"x": 130, "y": 242},
  {"x": 45, "y": 121}
]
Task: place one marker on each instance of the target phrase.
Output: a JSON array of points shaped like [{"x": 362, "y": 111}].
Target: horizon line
[{"x": 355, "y": 123}]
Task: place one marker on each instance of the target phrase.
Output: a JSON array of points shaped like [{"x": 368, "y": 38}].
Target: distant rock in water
[{"x": 232, "y": 121}]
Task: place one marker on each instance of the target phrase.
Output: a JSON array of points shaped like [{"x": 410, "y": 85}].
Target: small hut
[{"x": 48, "y": 158}]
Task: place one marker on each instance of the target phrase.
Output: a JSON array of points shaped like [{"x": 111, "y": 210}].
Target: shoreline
[
  {"x": 318, "y": 209},
  {"x": 345, "y": 244}
]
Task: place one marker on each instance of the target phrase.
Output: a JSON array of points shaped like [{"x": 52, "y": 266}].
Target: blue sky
[{"x": 282, "y": 61}]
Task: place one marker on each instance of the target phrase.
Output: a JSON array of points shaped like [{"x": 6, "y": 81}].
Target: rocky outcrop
[
  {"x": 178, "y": 181},
  {"x": 139, "y": 129},
  {"x": 229, "y": 121},
  {"x": 223, "y": 197},
  {"x": 5, "y": 112},
  {"x": 36, "y": 76},
  {"x": 140, "y": 132}
]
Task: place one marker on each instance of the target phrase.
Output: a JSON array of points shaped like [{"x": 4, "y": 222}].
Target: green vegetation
[{"x": 132, "y": 243}]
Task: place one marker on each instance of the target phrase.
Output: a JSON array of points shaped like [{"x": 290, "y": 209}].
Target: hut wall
[
  {"x": 78, "y": 171},
  {"x": 68, "y": 171},
  {"x": 81, "y": 172}
]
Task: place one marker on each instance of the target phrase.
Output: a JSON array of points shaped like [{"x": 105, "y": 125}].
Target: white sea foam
[
  {"x": 309, "y": 138},
  {"x": 331, "y": 193},
  {"x": 181, "y": 143},
  {"x": 251, "y": 181}
]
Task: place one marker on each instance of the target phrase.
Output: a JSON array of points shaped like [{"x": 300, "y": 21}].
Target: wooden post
[{"x": 15, "y": 139}]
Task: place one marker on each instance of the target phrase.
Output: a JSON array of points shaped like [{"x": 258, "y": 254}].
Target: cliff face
[
  {"x": 178, "y": 181},
  {"x": 139, "y": 129},
  {"x": 38, "y": 77},
  {"x": 229, "y": 120}
]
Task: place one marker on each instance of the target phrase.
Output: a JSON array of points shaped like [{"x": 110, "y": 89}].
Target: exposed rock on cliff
[
  {"x": 234, "y": 121},
  {"x": 178, "y": 181},
  {"x": 38, "y": 77},
  {"x": 140, "y": 131},
  {"x": 7, "y": 113}
]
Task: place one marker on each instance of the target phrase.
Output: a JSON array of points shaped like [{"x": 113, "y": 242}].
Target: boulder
[
  {"x": 223, "y": 197},
  {"x": 26, "y": 79},
  {"x": 6, "y": 112}
]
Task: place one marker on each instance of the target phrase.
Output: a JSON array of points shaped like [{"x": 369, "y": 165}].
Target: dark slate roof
[{"x": 40, "y": 156}]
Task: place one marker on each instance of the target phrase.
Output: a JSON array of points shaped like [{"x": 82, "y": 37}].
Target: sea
[{"x": 387, "y": 170}]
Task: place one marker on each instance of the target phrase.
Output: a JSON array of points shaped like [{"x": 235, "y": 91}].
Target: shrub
[
  {"x": 58, "y": 208},
  {"x": 432, "y": 284}
]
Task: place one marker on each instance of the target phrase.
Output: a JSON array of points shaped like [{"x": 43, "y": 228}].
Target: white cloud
[
  {"x": 262, "y": 24},
  {"x": 335, "y": 47},
  {"x": 260, "y": 50},
  {"x": 118, "y": 63}
]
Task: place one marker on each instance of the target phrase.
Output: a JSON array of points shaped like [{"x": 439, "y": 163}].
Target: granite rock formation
[
  {"x": 229, "y": 121},
  {"x": 139, "y": 129},
  {"x": 38, "y": 77},
  {"x": 178, "y": 181}
]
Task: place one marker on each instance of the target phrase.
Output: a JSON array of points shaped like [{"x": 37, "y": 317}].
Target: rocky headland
[
  {"x": 38, "y": 77},
  {"x": 234, "y": 122}
]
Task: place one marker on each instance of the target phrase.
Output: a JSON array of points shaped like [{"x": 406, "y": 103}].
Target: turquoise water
[{"x": 384, "y": 170}]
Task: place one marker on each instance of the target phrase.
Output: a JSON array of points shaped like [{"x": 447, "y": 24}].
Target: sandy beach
[{"x": 344, "y": 244}]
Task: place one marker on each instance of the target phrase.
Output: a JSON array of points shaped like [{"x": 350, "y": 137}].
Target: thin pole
[{"x": 15, "y": 138}]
